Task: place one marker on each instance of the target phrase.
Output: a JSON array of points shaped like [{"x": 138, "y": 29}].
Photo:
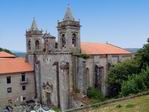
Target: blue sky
[{"x": 124, "y": 23}]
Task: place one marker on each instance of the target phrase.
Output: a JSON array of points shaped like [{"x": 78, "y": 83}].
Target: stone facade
[
  {"x": 13, "y": 91},
  {"x": 59, "y": 69}
]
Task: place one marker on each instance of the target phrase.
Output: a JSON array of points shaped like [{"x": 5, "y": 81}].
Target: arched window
[
  {"x": 63, "y": 40},
  {"x": 37, "y": 44},
  {"x": 74, "y": 43},
  {"x": 87, "y": 76},
  {"x": 98, "y": 76},
  {"x": 29, "y": 45}
]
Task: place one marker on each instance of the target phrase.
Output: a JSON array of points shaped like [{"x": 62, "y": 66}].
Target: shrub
[
  {"x": 129, "y": 87},
  {"x": 136, "y": 83},
  {"x": 84, "y": 56},
  {"x": 118, "y": 106},
  {"x": 94, "y": 93}
]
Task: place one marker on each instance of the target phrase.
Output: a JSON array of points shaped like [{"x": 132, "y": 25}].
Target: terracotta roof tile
[
  {"x": 14, "y": 65},
  {"x": 6, "y": 55},
  {"x": 98, "y": 48}
]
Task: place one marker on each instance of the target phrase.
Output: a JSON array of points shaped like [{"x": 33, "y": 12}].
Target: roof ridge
[
  {"x": 117, "y": 46},
  {"x": 102, "y": 48},
  {"x": 93, "y": 42}
]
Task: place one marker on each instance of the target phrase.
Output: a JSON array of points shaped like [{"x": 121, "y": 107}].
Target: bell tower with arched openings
[
  {"x": 69, "y": 33},
  {"x": 34, "y": 39}
]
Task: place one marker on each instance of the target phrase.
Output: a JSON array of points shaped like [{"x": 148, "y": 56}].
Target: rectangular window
[
  {"x": 56, "y": 45},
  {"x": 23, "y": 76},
  {"x": 10, "y": 101},
  {"x": 8, "y": 80},
  {"x": 23, "y": 87},
  {"x": 24, "y": 98},
  {"x": 9, "y": 90}
]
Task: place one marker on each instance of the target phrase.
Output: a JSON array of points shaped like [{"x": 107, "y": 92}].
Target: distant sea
[{"x": 19, "y": 54}]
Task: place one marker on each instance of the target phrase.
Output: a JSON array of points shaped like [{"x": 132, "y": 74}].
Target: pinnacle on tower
[
  {"x": 68, "y": 14},
  {"x": 34, "y": 25}
]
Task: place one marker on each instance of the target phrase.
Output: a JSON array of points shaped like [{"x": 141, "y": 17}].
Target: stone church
[{"x": 64, "y": 66}]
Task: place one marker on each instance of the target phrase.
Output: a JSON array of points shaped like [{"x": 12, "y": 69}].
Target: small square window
[
  {"x": 23, "y": 87},
  {"x": 24, "y": 98},
  {"x": 9, "y": 90}
]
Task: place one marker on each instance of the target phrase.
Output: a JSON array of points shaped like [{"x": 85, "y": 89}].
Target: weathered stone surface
[
  {"x": 17, "y": 94},
  {"x": 59, "y": 71}
]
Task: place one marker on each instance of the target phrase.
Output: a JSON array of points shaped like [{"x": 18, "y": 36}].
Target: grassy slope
[{"x": 138, "y": 104}]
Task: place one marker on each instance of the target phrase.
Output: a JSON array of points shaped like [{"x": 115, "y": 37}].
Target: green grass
[{"x": 138, "y": 104}]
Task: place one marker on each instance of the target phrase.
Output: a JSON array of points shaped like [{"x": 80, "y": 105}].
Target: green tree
[
  {"x": 118, "y": 73},
  {"x": 6, "y": 50},
  {"x": 122, "y": 71},
  {"x": 142, "y": 56}
]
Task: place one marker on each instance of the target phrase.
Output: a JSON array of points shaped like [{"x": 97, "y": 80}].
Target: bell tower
[
  {"x": 34, "y": 39},
  {"x": 69, "y": 33}
]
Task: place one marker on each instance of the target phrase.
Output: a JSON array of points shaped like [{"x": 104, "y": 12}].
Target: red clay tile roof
[
  {"x": 14, "y": 65},
  {"x": 6, "y": 55},
  {"x": 98, "y": 48}
]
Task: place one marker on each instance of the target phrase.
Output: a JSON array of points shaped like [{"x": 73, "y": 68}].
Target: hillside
[
  {"x": 137, "y": 104},
  {"x": 5, "y": 50},
  {"x": 133, "y": 50}
]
